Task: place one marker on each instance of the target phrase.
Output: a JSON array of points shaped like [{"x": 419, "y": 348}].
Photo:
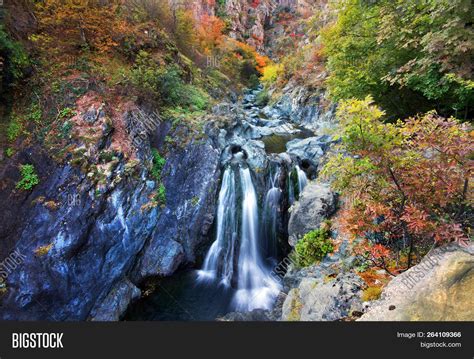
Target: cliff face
[{"x": 78, "y": 245}]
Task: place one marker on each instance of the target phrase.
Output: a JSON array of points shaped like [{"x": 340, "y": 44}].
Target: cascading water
[
  {"x": 256, "y": 287},
  {"x": 219, "y": 260},
  {"x": 271, "y": 210},
  {"x": 302, "y": 179}
]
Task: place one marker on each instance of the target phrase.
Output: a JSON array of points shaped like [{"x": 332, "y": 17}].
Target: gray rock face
[
  {"x": 310, "y": 149},
  {"x": 317, "y": 203},
  {"x": 440, "y": 288},
  {"x": 79, "y": 251},
  {"x": 321, "y": 299},
  {"x": 116, "y": 302},
  {"x": 303, "y": 107}
]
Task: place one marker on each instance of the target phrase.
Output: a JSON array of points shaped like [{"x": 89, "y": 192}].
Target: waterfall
[
  {"x": 219, "y": 260},
  {"x": 302, "y": 179},
  {"x": 271, "y": 210},
  {"x": 256, "y": 288}
]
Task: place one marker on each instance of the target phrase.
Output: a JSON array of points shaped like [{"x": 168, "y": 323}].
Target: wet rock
[
  {"x": 257, "y": 315},
  {"x": 310, "y": 149},
  {"x": 116, "y": 302},
  {"x": 440, "y": 288}
]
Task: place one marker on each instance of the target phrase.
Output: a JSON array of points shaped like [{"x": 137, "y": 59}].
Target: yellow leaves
[{"x": 271, "y": 73}]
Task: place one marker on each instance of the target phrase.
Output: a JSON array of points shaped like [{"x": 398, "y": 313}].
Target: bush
[
  {"x": 160, "y": 196},
  {"x": 9, "y": 152},
  {"x": 313, "y": 247},
  {"x": 158, "y": 164},
  {"x": 262, "y": 98},
  {"x": 14, "y": 129},
  {"x": 29, "y": 178},
  {"x": 16, "y": 57},
  {"x": 271, "y": 74},
  {"x": 165, "y": 85}
]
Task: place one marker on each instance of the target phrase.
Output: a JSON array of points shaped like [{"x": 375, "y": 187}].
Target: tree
[
  {"x": 71, "y": 26},
  {"x": 407, "y": 185},
  {"x": 411, "y": 56}
]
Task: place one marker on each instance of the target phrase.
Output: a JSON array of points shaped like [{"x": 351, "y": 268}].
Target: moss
[
  {"x": 14, "y": 128},
  {"x": 9, "y": 152},
  {"x": 158, "y": 164},
  {"x": 295, "y": 307},
  {"x": 53, "y": 206},
  {"x": 160, "y": 195},
  {"x": 371, "y": 293},
  {"x": 195, "y": 201}
]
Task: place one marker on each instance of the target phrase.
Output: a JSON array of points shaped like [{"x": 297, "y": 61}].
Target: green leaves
[
  {"x": 158, "y": 164},
  {"x": 29, "y": 178},
  {"x": 313, "y": 247},
  {"x": 410, "y": 56}
]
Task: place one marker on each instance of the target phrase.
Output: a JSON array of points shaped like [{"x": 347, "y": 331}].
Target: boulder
[
  {"x": 324, "y": 298},
  {"x": 316, "y": 203},
  {"x": 440, "y": 288},
  {"x": 311, "y": 149}
]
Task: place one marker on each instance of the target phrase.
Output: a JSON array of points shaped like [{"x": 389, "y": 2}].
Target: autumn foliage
[
  {"x": 73, "y": 25},
  {"x": 408, "y": 185}
]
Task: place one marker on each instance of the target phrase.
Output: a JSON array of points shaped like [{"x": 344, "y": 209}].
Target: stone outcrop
[
  {"x": 440, "y": 288},
  {"x": 317, "y": 203},
  {"x": 323, "y": 299},
  {"x": 80, "y": 243}
]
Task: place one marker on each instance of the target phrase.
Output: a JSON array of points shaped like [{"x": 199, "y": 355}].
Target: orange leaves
[
  {"x": 262, "y": 62},
  {"x": 378, "y": 251},
  {"x": 209, "y": 31},
  {"x": 82, "y": 23}
]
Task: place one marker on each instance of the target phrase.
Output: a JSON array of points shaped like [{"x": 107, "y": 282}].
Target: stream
[{"x": 249, "y": 227}]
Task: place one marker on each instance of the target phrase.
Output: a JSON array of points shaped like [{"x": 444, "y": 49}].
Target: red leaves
[
  {"x": 378, "y": 251},
  {"x": 254, "y": 4},
  {"x": 419, "y": 187},
  {"x": 451, "y": 232},
  {"x": 417, "y": 220}
]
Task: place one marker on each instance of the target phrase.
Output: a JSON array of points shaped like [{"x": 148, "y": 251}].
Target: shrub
[
  {"x": 35, "y": 113},
  {"x": 412, "y": 180},
  {"x": 66, "y": 113},
  {"x": 262, "y": 98},
  {"x": 313, "y": 247},
  {"x": 158, "y": 164},
  {"x": 164, "y": 83},
  {"x": 271, "y": 74},
  {"x": 160, "y": 196},
  {"x": 17, "y": 58},
  {"x": 194, "y": 98},
  {"x": 29, "y": 178},
  {"x": 14, "y": 128}
]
